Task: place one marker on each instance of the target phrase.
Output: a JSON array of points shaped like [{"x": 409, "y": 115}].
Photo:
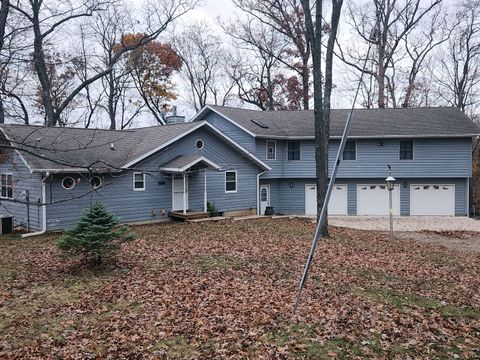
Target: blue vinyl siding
[
  {"x": 432, "y": 158},
  {"x": 232, "y": 131},
  {"x": 22, "y": 180},
  {"x": 288, "y": 195},
  {"x": 130, "y": 206}
]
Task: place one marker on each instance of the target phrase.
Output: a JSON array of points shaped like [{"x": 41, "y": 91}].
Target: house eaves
[{"x": 276, "y": 137}]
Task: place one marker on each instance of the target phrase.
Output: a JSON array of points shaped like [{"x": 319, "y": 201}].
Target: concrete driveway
[{"x": 407, "y": 223}]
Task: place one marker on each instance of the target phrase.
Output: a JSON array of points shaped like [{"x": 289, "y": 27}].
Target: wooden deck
[{"x": 190, "y": 215}]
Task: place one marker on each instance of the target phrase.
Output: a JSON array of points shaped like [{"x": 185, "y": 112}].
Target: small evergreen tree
[{"x": 95, "y": 236}]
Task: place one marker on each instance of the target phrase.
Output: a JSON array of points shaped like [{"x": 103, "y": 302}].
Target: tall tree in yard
[
  {"x": 286, "y": 17},
  {"x": 204, "y": 66},
  {"x": 46, "y": 17},
  {"x": 322, "y": 86},
  {"x": 393, "y": 21},
  {"x": 458, "y": 75},
  {"x": 151, "y": 67}
]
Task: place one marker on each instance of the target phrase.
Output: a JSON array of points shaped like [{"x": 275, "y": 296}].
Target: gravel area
[{"x": 410, "y": 223}]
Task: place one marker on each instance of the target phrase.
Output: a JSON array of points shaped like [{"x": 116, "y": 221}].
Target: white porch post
[
  {"x": 205, "y": 192},
  {"x": 173, "y": 192},
  {"x": 184, "y": 196}
]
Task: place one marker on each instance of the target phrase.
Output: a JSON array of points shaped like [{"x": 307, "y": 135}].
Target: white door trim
[
  {"x": 185, "y": 191},
  {"x": 264, "y": 186}
]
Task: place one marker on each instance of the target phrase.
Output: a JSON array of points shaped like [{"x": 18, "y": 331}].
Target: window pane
[
  {"x": 138, "y": 182},
  {"x": 293, "y": 150},
  {"x": 4, "y": 191},
  {"x": 271, "y": 150},
  {"x": 230, "y": 186},
  {"x": 406, "y": 150},
  {"x": 9, "y": 180},
  {"x": 9, "y": 192},
  {"x": 350, "y": 151},
  {"x": 230, "y": 181}
]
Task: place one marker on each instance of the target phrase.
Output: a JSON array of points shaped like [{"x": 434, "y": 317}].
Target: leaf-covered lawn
[{"x": 220, "y": 290}]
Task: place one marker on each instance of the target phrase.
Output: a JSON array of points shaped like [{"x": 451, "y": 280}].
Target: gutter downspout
[
  {"x": 258, "y": 191},
  {"x": 44, "y": 210}
]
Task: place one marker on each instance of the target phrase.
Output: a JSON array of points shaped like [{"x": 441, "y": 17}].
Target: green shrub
[
  {"x": 96, "y": 235},
  {"x": 211, "y": 209}
]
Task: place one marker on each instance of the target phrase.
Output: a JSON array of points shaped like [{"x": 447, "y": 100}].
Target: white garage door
[
  {"x": 336, "y": 206},
  {"x": 372, "y": 199},
  {"x": 432, "y": 200}
]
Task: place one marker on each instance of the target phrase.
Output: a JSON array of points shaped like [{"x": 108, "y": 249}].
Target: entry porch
[{"x": 185, "y": 169}]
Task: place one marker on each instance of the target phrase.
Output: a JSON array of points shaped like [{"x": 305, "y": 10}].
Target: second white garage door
[
  {"x": 432, "y": 200},
  {"x": 336, "y": 206},
  {"x": 372, "y": 199}
]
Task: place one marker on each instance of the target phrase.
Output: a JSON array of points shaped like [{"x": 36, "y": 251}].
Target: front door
[
  {"x": 264, "y": 198},
  {"x": 179, "y": 192}
]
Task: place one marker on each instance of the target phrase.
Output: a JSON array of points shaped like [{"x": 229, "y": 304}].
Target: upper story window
[
  {"x": 406, "y": 149},
  {"x": 350, "y": 151},
  {"x": 7, "y": 186},
  {"x": 230, "y": 181},
  {"x": 271, "y": 150},
  {"x": 293, "y": 148},
  {"x": 138, "y": 181}
]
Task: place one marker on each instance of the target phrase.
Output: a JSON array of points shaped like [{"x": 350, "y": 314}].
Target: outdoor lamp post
[{"x": 390, "y": 183}]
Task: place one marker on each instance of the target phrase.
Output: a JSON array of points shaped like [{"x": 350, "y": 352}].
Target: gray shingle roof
[
  {"x": 408, "y": 122},
  {"x": 56, "y": 148},
  {"x": 182, "y": 163}
]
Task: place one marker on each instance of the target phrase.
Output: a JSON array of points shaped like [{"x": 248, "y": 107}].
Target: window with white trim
[
  {"x": 138, "y": 181},
  {"x": 230, "y": 181},
  {"x": 7, "y": 186},
  {"x": 271, "y": 150}
]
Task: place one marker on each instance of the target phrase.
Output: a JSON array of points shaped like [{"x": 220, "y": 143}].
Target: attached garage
[
  {"x": 336, "y": 206},
  {"x": 432, "y": 200},
  {"x": 373, "y": 199}
]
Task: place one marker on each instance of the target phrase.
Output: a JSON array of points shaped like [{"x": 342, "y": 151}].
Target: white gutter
[
  {"x": 44, "y": 210},
  {"x": 258, "y": 191}
]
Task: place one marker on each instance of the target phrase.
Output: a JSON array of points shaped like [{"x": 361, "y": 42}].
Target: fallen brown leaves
[{"x": 226, "y": 290}]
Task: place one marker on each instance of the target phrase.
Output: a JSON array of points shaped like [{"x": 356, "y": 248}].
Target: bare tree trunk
[
  {"x": 321, "y": 99},
  {"x": 3, "y": 20},
  {"x": 111, "y": 100},
  {"x": 41, "y": 67},
  {"x": 306, "y": 82}
]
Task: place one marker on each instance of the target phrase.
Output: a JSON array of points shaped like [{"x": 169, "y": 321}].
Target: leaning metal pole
[
  {"x": 390, "y": 202},
  {"x": 331, "y": 183}
]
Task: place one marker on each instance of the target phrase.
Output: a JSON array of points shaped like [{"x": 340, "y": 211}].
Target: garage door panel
[
  {"x": 373, "y": 199},
  {"x": 432, "y": 199},
  {"x": 337, "y": 204}
]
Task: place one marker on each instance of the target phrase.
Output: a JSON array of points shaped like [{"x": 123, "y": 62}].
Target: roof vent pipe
[{"x": 112, "y": 146}]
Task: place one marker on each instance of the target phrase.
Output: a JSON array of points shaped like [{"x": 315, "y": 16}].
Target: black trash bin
[{"x": 269, "y": 210}]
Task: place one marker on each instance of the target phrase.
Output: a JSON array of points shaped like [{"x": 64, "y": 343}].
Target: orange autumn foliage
[{"x": 152, "y": 64}]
